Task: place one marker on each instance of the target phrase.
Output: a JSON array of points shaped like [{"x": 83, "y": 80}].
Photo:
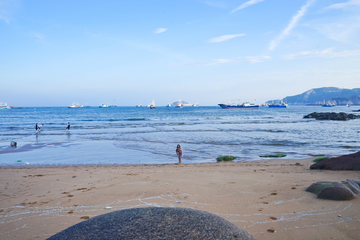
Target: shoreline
[{"x": 266, "y": 198}]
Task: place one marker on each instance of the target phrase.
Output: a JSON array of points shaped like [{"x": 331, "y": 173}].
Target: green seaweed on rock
[{"x": 225, "y": 158}]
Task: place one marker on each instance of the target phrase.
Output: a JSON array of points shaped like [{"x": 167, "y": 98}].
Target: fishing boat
[
  {"x": 4, "y": 106},
  {"x": 195, "y": 105},
  {"x": 328, "y": 104},
  {"x": 138, "y": 105},
  {"x": 169, "y": 105},
  {"x": 104, "y": 105},
  {"x": 235, "y": 106},
  {"x": 75, "y": 105},
  {"x": 152, "y": 105},
  {"x": 179, "y": 105},
  {"x": 280, "y": 105}
]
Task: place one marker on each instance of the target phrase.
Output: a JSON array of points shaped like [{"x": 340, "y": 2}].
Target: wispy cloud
[
  {"x": 7, "y": 9},
  {"x": 38, "y": 35},
  {"x": 293, "y": 22},
  {"x": 257, "y": 59},
  {"x": 344, "y": 4},
  {"x": 225, "y": 37},
  {"x": 247, "y": 4},
  {"x": 327, "y": 53},
  {"x": 160, "y": 30}
]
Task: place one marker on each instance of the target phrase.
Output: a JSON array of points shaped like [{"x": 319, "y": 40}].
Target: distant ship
[
  {"x": 328, "y": 104},
  {"x": 4, "y": 106},
  {"x": 280, "y": 105},
  {"x": 138, "y": 105},
  {"x": 104, "y": 105},
  {"x": 152, "y": 105},
  {"x": 75, "y": 105},
  {"x": 169, "y": 105},
  {"x": 179, "y": 104},
  {"x": 195, "y": 105},
  {"x": 243, "y": 105}
]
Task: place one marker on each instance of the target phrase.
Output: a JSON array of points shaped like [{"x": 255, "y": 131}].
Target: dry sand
[{"x": 265, "y": 198}]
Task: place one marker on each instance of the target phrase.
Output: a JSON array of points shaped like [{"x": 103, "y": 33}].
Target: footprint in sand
[
  {"x": 70, "y": 195},
  {"x": 260, "y": 209},
  {"x": 274, "y": 193}
]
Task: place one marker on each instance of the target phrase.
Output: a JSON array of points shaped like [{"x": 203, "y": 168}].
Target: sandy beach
[{"x": 265, "y": 198}]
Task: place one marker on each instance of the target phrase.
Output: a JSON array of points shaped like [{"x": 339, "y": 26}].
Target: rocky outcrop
[
  {"x": 155, "y": 223},
  {"x": 344, "y": 162},
  {"x": 332, "y": 116},
  {"x": 335, "y": 190}
]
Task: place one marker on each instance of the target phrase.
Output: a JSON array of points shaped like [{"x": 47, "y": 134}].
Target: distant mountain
[{"x": 327, "y": 94}]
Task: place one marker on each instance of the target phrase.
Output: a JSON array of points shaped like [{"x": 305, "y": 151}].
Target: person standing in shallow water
[
  {"x": 36, "y": 127},
  {"x": 179, "y": 153},
  {"x": 68, "y": 127}
]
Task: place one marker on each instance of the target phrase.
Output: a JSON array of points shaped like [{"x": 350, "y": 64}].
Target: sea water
[{"x": 130, "y": 135}]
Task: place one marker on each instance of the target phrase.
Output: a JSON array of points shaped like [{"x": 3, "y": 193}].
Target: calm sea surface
[{"x": 129, "y": 135}]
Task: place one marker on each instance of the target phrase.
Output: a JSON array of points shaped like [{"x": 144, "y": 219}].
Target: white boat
[
  {"x": 4, "y": 106},
  {"x": 179, "y": 104},
  {"x": 195, "y": 105},
  {"x": 169, "y": 105},
  {"x": 138, "y": 105},
  {"x": 104, "y": 105},
  {"x": 75, "y": 105},
  {"x": 152, "y": 105}
]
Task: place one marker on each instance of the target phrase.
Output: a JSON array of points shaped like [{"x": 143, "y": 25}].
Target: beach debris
[
  {"x": 108, "y": 207},
  {"x": 19, "y": 160},
  {"x": 344, "y": 162},
  {"x": 339, "y": 215},
  {"x": 70, "y": 212},
  {"x": 73, "y": 176},
  {"x": 273, "y": 155},
  {"x": 273, "y": 218},
  {"x": 271, "y": 230},
  {"x": 84, "y": 217},
  {"x": 225, "y": 158},
  {"x": 178, "y": 202},
  {"x": 154, "y": 223},
  {"x": 13, "y": 144},
  {"x": 27, "y": 163},
  {"x": 334, "y": 190}
]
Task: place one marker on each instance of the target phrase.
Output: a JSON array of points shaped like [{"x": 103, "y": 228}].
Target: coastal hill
[{"x": 338, "y": 96}]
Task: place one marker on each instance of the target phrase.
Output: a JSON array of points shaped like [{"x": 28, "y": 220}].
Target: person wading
[{"x": 179, "y": 153}]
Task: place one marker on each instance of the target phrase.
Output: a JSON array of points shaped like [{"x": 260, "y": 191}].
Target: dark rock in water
[
  {"x": 336, "y": 193},
  {"x": 354, "y": 187},
  {"x": 319, "y": 186},
  {"x": 356, "y": 110},
  {"x": 332, "y": 116},
  {"x": 345, "y": 162},
  {"x": 154, "y": 223}
]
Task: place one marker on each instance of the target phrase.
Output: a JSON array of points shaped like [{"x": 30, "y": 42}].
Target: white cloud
[
  {"x": 257, "y": 59},
  {"x": 38, "y": 35},
  {"x": 160, "y": 30},
  {"x": 293, "y": 22},
  {"x": 247, "y": 4},
  {"x": 344, "y": 4},
  {"x": 225, "y": 38},
  {"x": 327, "y": 53}
]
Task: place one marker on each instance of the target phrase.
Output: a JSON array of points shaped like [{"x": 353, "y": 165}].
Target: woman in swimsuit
[{"x": 179, "y": 153}]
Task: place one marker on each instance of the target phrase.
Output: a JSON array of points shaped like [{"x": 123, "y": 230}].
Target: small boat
[
  {"x": 235, "y": 106},
  {"x": 104, "y": 105},
  {"x": 138, "y": 105},
  {"x": 328, "y": 104},
  {"x": 4, "y": 106},
  {"x": 195, "y": 105},
  {"x": 152, "y": 105},
  {"x": 280, "y": 105},
  {"x": 179, "y": 105},
  {"x": 169, "y": 105},
  {"x": 75, "y": 105}
]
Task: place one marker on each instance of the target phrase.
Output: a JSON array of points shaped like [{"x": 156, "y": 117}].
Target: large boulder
[
  {"x": 154, "y": 223},
  {"x": 344, "y": 162},
  {"x": 336, "y": 193},
  {"x": 332, "y": 116},
  {"x": 319, "y": 186},
  {"x": 354, "y": 187}
]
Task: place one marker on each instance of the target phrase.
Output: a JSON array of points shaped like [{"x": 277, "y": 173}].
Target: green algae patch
[
  {"x": 225, "y": 158},
  {"x": 319, "y": 159}
]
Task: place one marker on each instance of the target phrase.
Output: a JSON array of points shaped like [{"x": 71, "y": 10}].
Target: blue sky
[{"x": 53, "y": 53}]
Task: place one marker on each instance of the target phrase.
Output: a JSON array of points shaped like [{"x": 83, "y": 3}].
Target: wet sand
[{"x": 265, "y": 198}]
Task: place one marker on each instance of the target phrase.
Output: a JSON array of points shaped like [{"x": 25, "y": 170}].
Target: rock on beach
[
  {"x": 154, "y": 223},
  {"x": 332, "y": 116}
]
